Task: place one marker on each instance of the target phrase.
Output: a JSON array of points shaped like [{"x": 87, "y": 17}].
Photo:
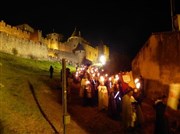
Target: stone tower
[
  {"x": 75, "y": 39},
  {"x": 80, "y": 53},
  {"x": 54, "y": 40}
]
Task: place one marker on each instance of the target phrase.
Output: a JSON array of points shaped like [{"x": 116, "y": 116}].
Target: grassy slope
[{"x": 19, "y": 112}]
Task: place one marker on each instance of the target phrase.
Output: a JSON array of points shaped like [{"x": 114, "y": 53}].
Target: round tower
[{"x": 54, "y": 40}]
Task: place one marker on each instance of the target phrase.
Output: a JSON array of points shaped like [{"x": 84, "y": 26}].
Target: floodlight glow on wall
[{"x": 102, "y": 59}]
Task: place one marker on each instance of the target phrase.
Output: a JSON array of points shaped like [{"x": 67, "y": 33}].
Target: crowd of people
[
  {"x": 109, "y": 94},
  {"x": 114, "y": 96}
]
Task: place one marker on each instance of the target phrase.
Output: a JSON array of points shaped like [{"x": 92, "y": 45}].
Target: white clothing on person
[{"x": 102, "y": 97}]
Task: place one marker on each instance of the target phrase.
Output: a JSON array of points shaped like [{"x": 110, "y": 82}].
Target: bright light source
[
  {"x": 102, "y": 78},
  {"x": 102, "y": 59},
  {"x": 138, "y": 85},
  {"x": 87, "y": 82},
  {"x": 136, "y": 80}
]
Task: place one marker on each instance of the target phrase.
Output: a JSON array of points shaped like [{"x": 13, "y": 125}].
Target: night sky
[{"x": 123, "y": 25}]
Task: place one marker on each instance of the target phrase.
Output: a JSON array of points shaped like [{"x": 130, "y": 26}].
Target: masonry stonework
[
  {"x": 29, "y": 42},
  {"x": 158, "y": 62}
]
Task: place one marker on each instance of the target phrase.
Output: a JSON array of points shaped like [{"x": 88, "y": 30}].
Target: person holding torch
[{"x": 102, "y": 95}]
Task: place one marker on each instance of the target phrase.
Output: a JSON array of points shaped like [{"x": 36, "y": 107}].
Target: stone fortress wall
[
  {"x": 25, "y": 48},
  {"x": 28, "y": 42},
  {"x": 14, "y": 39},
  {"x": 12, "y": 30}
]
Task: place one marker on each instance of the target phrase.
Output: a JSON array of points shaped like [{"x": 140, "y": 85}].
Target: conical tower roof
[
  {"x": 76, "y": 33},
  {"x": 79, "y": 47}
]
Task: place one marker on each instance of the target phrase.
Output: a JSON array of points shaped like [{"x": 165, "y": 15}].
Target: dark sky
[{"x": 123, "y": 25}]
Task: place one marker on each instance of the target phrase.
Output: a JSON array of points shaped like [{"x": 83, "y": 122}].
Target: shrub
[
  {"x": 14, "y": 51},
  {"x": 32, "y": 57}
]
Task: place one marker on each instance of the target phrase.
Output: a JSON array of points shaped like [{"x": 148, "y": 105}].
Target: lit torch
[
  {"x": 110, "y": 83},
  {"x": 137, "y": 83}
]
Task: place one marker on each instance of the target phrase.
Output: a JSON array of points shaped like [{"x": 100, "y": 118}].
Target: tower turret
[
  {"x": 80, "y": 53},
  {"x": 54, "y": 40}
]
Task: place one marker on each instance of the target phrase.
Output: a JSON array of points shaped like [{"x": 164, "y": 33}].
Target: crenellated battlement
[{"x": 12, "y": 30}]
